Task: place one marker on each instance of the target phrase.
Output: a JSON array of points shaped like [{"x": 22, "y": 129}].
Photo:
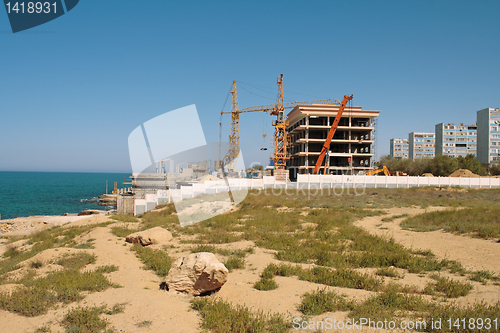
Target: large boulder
[
  {"x": 151, "y": 236},
  {"x": 196, "y": 274}
]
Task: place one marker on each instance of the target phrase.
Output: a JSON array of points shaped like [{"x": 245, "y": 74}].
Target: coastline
[{"x": 21, "y": 226}]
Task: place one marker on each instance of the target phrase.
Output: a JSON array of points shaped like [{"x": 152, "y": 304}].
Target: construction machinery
[
  {"x": 331, "y": 133},
  {"x": 280, "y": 141},
  {"x": 375, "y": 171},
  {"x": 386, "y": 172}
]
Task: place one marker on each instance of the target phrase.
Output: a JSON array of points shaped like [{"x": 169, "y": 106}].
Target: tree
[
  {"x": 470, "y": 162},
  {"x": 494, "y": 169},
  {"x": 443, "y": 165}
]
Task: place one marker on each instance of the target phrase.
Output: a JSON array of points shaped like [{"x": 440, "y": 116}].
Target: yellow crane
[{"x": 280, "y": 141}]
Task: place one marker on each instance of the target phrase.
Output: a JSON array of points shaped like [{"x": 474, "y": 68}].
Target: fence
[{"x": 307, "y": 182}]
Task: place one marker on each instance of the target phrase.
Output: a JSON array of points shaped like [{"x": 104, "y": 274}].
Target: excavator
[
  {"x": 375, "y": 171},
  {"x": 386, "y": 172},
  {"x": 329, "y": 138}
]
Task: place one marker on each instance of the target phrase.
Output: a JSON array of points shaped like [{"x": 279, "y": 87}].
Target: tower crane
[
  {"x": 280, "y": 140},
  {"x": 329, "y": 138}
]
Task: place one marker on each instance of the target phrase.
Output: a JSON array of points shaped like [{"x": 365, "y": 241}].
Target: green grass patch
[
  {"x": 387, "y": 271},
  {"x": 390, "y": 305},
  {"x": 156, "y": 260},
  {"x": 234, "y": 262},
  {"x": 449, "y": 287},
  {"x": 122, "y": 231},
  {"x": 36, "y": 296},
  {"x": 345, "y": 278},
  {"x": 265, "y": 284},
  {"x": 106, "y": 269},
  {"x": 394, "y": 217},
  {"x": 87, "y": 245},
  {"x": 88, "y": 319},
  {"x": 482, "y": 221},
  {"x": 483, "y": 276},
  {"x": 76, "y": 261},
  {"x": 43, "y": 240},
  {"x": 321, "y": 301},
  {"x": 221, "y": 316},
  {"x": 124, "y": 218}
]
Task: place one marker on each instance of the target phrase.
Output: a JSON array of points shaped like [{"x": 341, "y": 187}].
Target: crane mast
[
  {"x": 280, "y": 138},
  {"x": 331, "y": 133},
  {"x": 234, "y": 135}
]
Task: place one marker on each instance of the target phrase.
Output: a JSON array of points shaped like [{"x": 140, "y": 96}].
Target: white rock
[
  {"x": 151, "y": 236},
  {"x": 196, "y": 274}
]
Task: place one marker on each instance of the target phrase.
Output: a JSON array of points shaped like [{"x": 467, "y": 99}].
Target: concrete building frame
[{"x": 352, "y": 148}]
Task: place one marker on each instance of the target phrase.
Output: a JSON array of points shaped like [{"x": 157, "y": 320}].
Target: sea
[{"x": 53, "y": 193}]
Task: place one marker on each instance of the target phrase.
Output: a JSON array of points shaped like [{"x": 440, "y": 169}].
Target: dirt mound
[
  {"x": 427, "y": 174},
  {"x": 208, "y": 178},
  {"x": 464, "y": 173}
]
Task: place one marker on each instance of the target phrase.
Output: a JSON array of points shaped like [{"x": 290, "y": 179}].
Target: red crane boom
[{"x": 329, "y": 138}]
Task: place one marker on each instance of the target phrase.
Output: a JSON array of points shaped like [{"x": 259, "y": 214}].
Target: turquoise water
[{"x": 52, "y": 193}]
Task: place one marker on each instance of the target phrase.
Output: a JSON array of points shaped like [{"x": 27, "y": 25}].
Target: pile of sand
[
  {"x": 208, "y": 178},
  {"x": 427, "y": 174},
  {"x": 464, "y": 173}
]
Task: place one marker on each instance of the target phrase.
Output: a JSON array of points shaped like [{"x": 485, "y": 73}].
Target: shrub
[
  {"x": 265, "y": 284},
  {"x": 221, "y": 316},
  {"x": 155, "y": 260},
  {"x": 234, "y": 263},
  {"x": 321, "y": 301},
  {"x": 449, "y": 287}
]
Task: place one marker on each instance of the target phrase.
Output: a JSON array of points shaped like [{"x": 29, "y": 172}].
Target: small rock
[
  {"x": 151, "y": 236},
  {"x": 196, "y": 273}
]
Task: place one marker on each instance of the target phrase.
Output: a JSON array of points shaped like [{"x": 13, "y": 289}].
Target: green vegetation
[
  {"x": 43, "y": 240},
  {"x": 221, "y": 316},
  {"x": 388, "y": 271},
  {"x": 35, "y": 296},
  {"x": 397, "y": 307},
  {"x": 87, "y": 319},
  {"x": 87, "y": 245},
  {"x": 43, "y": 329},
  {"x": 345, "y": 278},
  {"x": 124, "y": 218},
  {"x": 321, "y": 301},
  {"x": 481, "y": 221},
  {"x": 36, "y": 264},
  {"x": 76, "y": 261},
  {"x": 449, "y": 287},
  {"x": 122, "y": 231},
  {"x": 483, "y": 276},
  {"x": 394, "y": 217},
  {"x": 234, "y": 262},
  {"x": 265, "y": 284},
  {"x": 156, "y": 260},
  {"x": 439, "y": 166},
  {"x": 390, "y": 305}
]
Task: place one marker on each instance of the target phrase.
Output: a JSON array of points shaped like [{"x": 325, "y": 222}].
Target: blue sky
[{"x": 72, "y": 90}]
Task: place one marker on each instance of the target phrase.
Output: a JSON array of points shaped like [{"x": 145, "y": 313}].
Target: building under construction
[{"x": 352, "y": 148}]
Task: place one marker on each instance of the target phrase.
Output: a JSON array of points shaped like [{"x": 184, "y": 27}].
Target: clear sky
[{"x": 73, "y": 89}]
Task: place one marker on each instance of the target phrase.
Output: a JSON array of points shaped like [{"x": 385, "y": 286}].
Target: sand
[{"x": 170, "y": 311}]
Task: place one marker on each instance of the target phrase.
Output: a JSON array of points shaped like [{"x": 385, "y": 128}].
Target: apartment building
[
  {"x": 456, "y": 140},
  {"x": 399, "y": 148},
  {"x": 488, "y": 135},
  {"x": 421, "y": 145},
  {"x": 351, "y": 149}
]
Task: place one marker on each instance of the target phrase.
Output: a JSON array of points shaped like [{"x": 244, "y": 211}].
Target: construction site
[{"x": 310, "y": 137}]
